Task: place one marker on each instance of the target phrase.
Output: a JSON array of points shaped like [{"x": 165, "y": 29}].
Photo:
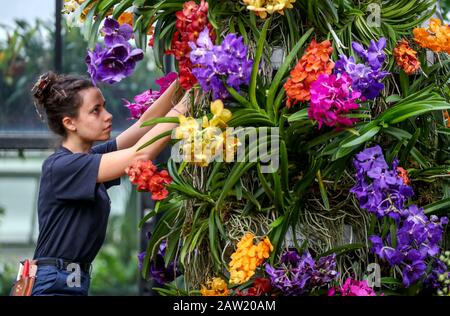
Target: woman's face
[{"x": 94, "y": 122}]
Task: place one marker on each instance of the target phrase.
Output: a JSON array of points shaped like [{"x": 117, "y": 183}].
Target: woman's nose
[{"x": 109, "y": 116}]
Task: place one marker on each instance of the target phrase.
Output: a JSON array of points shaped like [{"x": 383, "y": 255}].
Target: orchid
[
  {"x": 353, "y": 287},
  {"x": 298, "y": 275},
  {"x": 382, "y": 191},
  {"x": 225, "y": 62},
  {"x": 331, "y": 99},
  {"x": 159, "y": 272},
  {"x": 146, "y": 99},
  {"x": 144, "y": 174},
  {"x": 406, "y": 58},
  {"x": 366, "y": 78},
  {"x": 117, "y": 60},
  {"x": 191, "y": 21},
  {"x": 314, "y": 62}
]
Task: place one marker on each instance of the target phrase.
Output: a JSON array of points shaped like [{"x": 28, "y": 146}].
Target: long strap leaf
[{"x": 256, "y": 61}]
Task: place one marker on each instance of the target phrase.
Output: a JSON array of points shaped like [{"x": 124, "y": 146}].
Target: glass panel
[
  {"x": 27, "y": 37},
  {"x": 17, "y": 198},
  {"x": 26, "y": 49}
]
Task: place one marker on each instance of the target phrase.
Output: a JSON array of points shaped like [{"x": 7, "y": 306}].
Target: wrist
[{"x": 180, "y": 112}]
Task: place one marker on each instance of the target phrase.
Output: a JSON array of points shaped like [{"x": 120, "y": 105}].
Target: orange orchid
[
  {"x": 247, "y": 258},
  {"x": 447, "y": 117},
  {"x": 406, "y": 57},
  {"x": 402, "y": 173},
  {"x": 314, "y": 62},
  {"x": 436, "y": 37}
]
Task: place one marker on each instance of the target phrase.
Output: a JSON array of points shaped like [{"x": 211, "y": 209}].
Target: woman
[{"x": 73, "y": 205}]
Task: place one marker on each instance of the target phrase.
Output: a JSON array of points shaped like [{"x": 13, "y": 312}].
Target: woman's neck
[{"x": 77, "y": 145}]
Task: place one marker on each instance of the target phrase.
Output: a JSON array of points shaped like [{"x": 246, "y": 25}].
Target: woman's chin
[{"x": 105, "y": 136}]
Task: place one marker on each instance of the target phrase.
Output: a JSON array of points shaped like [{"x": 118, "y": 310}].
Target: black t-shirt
[{"x": 73, "y": 209}]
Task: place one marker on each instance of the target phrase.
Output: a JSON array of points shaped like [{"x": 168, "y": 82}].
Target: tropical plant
[{"x": 306, "y": 203}]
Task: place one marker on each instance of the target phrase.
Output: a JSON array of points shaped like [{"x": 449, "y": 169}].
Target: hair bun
[{"x": 42, "y": 87}]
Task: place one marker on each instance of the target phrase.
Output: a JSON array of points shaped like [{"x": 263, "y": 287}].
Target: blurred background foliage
[{"x": 27, "y": 51}]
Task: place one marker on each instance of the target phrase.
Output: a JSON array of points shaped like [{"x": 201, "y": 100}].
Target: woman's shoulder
[{"x": 60, "y": 152}]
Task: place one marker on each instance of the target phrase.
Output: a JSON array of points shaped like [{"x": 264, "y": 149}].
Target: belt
[{"x": 62, "y": 264}]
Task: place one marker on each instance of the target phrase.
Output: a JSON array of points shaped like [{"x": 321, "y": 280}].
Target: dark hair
[{"x": 58, "y": 96}]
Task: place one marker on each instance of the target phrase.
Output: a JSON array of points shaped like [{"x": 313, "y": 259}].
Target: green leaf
[
  {"x": 161, "y": 231},
  {"x": 323, "y": 191},
  {"x": 441, "y": 207},
  {"x": 393, "y": 233},
  {"x": 213, "y": 238},
  {"x": 393, "y": 98},
  {"x": 390, "y": 281},
  {"x": 172, "y": 246},
  {"x": 243, "y": 101},
  {"x": 121, "y": 7},
  {"x": 411, "y": 143},
  {"x": 298, "y": 116},
  {"x": 414, "y": 104},
  {"x": 161, "y": 120},
  {"x": 404, "y": 83},
  {"x": 256, "y": 61},
  {"x": 155, "y": 139},
  {"x": 342, "y": 249},
  {"x": 363, "y": 138},
  {"x": 277, "y": 222}
]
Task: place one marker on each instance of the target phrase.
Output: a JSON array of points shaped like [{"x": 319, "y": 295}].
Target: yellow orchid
[
  {"x": 70, "y": 6},
  {"x": 202, "y": 146},
  {"x": 215, "y": 287},
  {"x": 264, "y": 7},
  {"x": 221, "y": 115},
  {"x": 188, "y": 126}
]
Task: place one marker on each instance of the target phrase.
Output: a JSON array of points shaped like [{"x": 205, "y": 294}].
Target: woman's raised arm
[
  {"x": 159, "y": 109},
  {"x": 113, "y": 164}
]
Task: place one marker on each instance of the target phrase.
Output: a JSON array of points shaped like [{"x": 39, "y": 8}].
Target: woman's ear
[{"x": 69, "y": 124}]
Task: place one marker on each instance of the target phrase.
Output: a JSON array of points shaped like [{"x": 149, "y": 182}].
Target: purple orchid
[
  {"x": 297, "y": 275},
  {"x": 332, "y": 99},
  {"x": 366, "y": 77},
  {"x": 117, "y": 60},
  {"x": 114, "y": 63},
  {"x": 158, "y": 271},
  {"x": 382, "y": 192},
  {"x": 214, "y": 64},
  {"x": 114, "y": 32}
]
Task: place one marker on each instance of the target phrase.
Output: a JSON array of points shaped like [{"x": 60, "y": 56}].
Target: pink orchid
[
  {"x": 332, "y": 99},
  {"x": 144, "y": 100}
]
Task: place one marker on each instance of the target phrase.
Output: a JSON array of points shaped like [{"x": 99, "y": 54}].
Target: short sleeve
[
  {"x": 74, "y": 176},
  {"x": 104, "y": 148}
]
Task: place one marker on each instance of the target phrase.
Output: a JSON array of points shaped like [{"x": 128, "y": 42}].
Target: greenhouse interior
[{"x": 225, "y": 148}]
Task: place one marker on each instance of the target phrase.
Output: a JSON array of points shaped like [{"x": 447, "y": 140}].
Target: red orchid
[
  {"x": 146, "y": 177},
  {"x": 190, "y": 22},
  {"x": 261, "y": 286}
]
